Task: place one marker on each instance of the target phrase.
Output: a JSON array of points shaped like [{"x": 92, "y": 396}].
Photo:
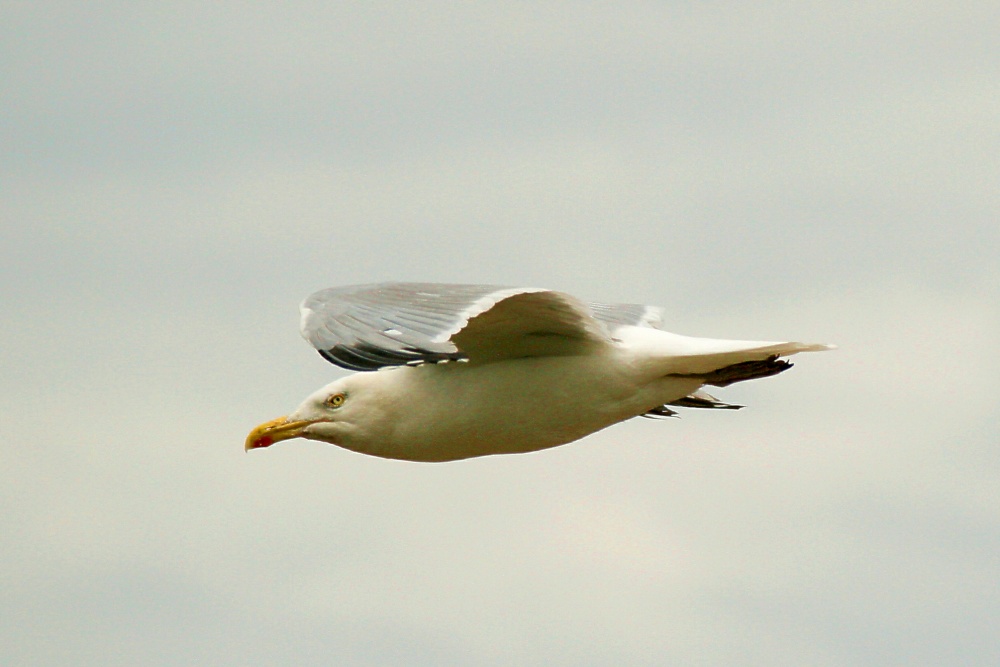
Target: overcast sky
[{"x": 176, "y": 177}]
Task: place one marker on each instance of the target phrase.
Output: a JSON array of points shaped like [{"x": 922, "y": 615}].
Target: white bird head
[{"x": 347, "y": 413}]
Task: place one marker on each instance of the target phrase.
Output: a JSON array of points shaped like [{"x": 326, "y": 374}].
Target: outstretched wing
[{"x": 366, "y": 327}]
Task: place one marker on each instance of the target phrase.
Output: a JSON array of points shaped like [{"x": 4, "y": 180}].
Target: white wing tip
[{"x": 305, "y": 314}]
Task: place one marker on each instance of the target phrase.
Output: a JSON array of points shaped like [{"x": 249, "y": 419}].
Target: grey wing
[
  {"x": 614, "y": 315},
  {"x": 367, "y": 327}
]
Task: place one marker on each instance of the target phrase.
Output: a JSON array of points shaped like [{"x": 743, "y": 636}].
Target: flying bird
[{"x": 451, "y": 372}]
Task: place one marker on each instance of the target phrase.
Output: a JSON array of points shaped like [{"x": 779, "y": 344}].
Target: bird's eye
[{"x": 335, "y": 401}]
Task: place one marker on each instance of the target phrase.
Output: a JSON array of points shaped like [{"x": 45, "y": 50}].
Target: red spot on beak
[{"x": 273, "y": 431}]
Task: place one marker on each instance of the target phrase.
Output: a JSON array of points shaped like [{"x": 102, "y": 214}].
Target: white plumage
[{"x": 471, "y": 370}]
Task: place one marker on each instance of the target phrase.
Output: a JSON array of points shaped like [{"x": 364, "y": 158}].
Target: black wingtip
[
  {"x": 747, "y": 370},
  {"x": 660, "y": 412},
  {"x": 362, "y": 357}
]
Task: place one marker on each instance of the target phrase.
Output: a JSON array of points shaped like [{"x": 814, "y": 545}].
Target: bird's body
[
  {"x": 530, "y": 369},
  {"x": 452, "y": 411}
]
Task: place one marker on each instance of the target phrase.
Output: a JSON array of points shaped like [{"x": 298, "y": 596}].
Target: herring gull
[{"x": 457, "y": 371}]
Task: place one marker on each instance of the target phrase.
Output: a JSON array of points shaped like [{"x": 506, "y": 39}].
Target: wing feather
[
  {"x": 366, "y": 327},
  {"x": 615, "y": 315}
]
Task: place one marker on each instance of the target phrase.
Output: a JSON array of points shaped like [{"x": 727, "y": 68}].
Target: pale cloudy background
[{"x": 175, "y": 177}]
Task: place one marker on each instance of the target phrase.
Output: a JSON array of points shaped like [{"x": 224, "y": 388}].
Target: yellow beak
[{"x": 274, "y": 431}]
